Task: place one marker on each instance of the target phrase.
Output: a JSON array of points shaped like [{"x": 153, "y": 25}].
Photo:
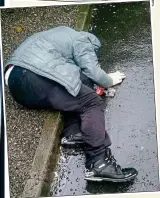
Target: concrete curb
[
  {"x": 47, "y": 149},
  {"x": 83, "y": 18},
  {"x": 47, "y": 152}
]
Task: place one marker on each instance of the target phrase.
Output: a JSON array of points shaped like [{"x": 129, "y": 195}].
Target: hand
[{"x": 117, "y": 77}]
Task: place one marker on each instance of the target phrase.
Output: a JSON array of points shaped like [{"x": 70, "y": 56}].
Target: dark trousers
[
  {"x": 86, "y": 109},
  {"x": 72, "y": 121}
]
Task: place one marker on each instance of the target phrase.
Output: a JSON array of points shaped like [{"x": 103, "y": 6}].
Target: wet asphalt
[{"x": 124, "y": 30}]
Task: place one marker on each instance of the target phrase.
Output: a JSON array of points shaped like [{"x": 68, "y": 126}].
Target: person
[{"x": 56, "y": 69}]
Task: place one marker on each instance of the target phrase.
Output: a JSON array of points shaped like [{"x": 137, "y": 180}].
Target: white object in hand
[{"x": 117, "y": 77}]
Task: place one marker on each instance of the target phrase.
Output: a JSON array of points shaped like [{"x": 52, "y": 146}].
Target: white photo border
[{"x": 155, "y": 15}]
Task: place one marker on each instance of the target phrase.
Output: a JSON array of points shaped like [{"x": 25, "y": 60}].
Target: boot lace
[{"x": 113, "y": 161}]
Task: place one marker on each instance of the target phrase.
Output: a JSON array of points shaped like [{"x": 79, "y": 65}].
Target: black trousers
[
  {"x": 85, "y": 111},
  {"x": 72, "y": 122}
]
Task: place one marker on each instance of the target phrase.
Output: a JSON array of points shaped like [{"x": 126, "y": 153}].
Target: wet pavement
[{"x": 125, "y": 33}]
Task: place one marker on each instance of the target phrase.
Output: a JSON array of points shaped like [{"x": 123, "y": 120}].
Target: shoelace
[{"x": 113, "y": 161}]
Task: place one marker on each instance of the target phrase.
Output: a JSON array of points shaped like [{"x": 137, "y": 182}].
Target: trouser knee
[{"x": 96, "y": 103}]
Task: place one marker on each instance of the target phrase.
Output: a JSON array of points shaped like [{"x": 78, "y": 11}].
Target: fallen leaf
[{"x": 19, "y": 28}]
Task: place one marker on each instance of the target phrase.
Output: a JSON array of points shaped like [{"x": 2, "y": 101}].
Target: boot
[
  {"x": 73, "y": 141},
  {"x": 106, "y": 169}
]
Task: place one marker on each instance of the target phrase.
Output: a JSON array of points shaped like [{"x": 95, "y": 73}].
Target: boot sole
[{"x": 100, "y": 179}]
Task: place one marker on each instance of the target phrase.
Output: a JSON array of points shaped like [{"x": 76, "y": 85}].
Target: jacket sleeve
[{"x": 86, "y": 58}]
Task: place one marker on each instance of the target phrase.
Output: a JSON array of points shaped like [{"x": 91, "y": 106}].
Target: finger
[
  {"x": 122, "y": 75},
  {"x": 120, "y": 80},
  {"x": 118, "y": 72}
]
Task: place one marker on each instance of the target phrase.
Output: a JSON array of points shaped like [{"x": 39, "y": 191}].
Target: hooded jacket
[{"x": 60, "y": 54}]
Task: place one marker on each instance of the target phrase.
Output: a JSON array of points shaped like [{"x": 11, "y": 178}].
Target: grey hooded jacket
[{"x": 60, "y": 54}]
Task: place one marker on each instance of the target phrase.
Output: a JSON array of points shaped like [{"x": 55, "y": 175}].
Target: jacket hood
[{"x": 93, "y": 39}]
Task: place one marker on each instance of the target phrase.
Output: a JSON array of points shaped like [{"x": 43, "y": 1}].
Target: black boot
[
  {"x": 73, "y": 141},
  {"x": 106, "y": 169}
]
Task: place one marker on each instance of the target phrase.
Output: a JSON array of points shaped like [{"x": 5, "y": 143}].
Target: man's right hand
[{"x": 117, "y": 77}]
